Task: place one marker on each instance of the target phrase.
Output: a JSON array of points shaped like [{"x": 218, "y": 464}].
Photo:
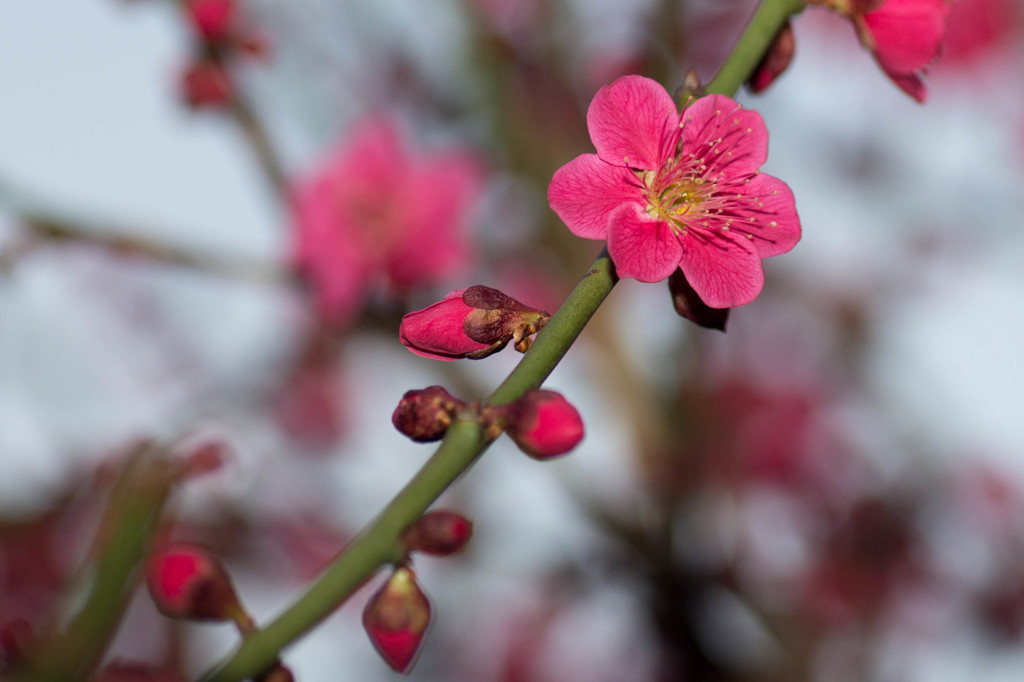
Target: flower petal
[
  {"x": 723, "y": 268},
  {"x": 640, "y": 246},
  {"x": 633, "y": 122},
  {"x": 727, "y": 140},
  {"x": 907, "y": 33},
  {"x": 764, "y": 210},
  {"x": 585, "y": 191}
]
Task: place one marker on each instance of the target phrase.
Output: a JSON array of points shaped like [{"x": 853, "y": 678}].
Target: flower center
[{"x": 673, "y": 194}]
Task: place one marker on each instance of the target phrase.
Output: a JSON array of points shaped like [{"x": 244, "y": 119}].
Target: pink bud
[
  {"x": 424, "y": 415},
  {"x": 212, "y": 19},
  {"x": 775, "y": 61},
  {"x": 207, "y": 84},
  {"x": 544, "y": 424},
  {"x": 439, "y": 533},
  {"x": 396, "y": 619},
  {"x": 471, "y": 323},
  {"x": 186, "y": 582}
]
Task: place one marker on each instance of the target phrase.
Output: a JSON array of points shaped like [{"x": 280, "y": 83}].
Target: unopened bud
[
  {"x": 775, "y": 60},
  {"x": 543, "y": 424},
  {"x": 689, "y": 305},
  {"x": 207, "y": 84},
  {"x": 439, "y": 533},
  {"x": 187, "y": 582},
  {"x": 396, "y": 619},
  {"x": 279, "y": 673},
  {"x": 425, "y": 414},
  {"x": 471, "y": 323},
  {"x": 212, "y": 19}
]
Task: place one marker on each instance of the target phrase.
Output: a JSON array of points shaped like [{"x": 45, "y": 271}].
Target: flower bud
[
  {"x": 396, "y": 619},
  {"x": 211, "y": 19},
  {"x": 775, "y": 61},
  {"x": 425, "y": 414},
  {"x": 439, "y": 533},
  {"x": 186, "y": 582},
  {"x": 207, "y": 84},
  {"x": 543, "y": 424},
  {"x": 471, "y": 323},
  {"x": 689, "y": 305}
]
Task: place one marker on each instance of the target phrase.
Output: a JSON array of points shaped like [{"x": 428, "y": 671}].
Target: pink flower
[
  {"x": 377, "y": 212},
  {"x": 470, "y": 323},
  {"x": 904, "y": 36},
  {"x": 678, "y": 191}
]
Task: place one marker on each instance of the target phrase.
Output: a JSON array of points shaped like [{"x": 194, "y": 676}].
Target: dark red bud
[
  {"x": 185, "y": 581},
  {"x": 396, "y": 619},
  {"x": 775, "y": 60},
  {"x": 689, "y": 305},
  {"x": 543, "y": 424},
  {"x": 207, "y": 84},
  {"x": 439, "y": 533},
  {"x": 425, "y": 414}
]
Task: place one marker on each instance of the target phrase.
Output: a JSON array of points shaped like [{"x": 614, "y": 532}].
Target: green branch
[
  {"x": 768, "y": 20},
  {"x": 465, "y": 441}
]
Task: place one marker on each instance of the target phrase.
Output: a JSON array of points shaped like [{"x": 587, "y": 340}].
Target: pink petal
[
  {"x": 766, "y": 213},
  {"x": 907, "y": 33},
  {"x": 437, "y": 331},
  {"x": 433, "y": 238},
  {"x": 633, "y": 122},
  {"x": 642, "y": 247},
  {"x": 723, "y": 268},
  {"x": 585, "y": 191},
  {"x": 727, "y": 140}
]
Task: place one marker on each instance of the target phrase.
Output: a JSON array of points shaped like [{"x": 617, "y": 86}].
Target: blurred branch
[
  {"x": 133, "y": 512},
  {"x": 46, "y": 226},
  {"x": 256, "y": 135}
]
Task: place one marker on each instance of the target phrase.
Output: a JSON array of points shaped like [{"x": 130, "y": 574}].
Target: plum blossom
[
  {"x": 375, "y": 212},
  {"x": 673, "y": 191}
]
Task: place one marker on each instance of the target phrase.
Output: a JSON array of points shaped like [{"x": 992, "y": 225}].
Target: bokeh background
[{"x": 832, "y": 490}]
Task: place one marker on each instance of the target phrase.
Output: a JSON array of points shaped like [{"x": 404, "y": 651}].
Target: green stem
[
  {"x": 465, "y": 441},
  {"x": 768, "y": 20},
  {"x": 128, "y": 524}
]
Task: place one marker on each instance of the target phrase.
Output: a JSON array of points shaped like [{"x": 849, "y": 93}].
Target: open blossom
[
  {"x": 678, "y": 191},
  {"x": 903, "y": 35},
  {"x": 377, "y": 213}
]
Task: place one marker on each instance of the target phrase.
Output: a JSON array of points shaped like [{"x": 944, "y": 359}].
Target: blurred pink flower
[
  {"x": 978, "y": 28},
  {"x": 376, "y": 211},
  {"x": 678, "y": 191},
  {"x": 904, "y": 36}
]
